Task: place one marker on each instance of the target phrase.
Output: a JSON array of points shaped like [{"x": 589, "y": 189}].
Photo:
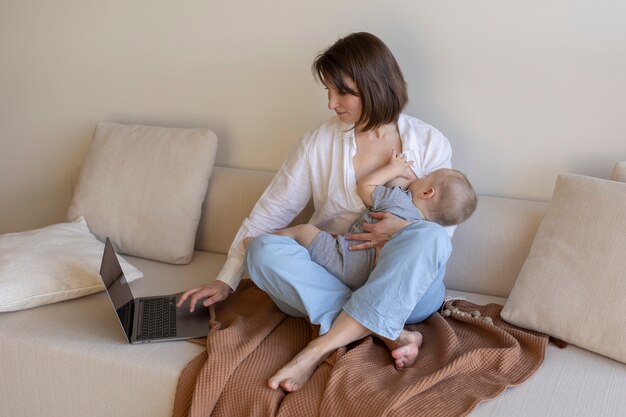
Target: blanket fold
[{"x": 464, "y": 360}]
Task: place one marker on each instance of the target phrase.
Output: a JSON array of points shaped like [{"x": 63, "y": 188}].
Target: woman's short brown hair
[{"x": 370, "y": 64}]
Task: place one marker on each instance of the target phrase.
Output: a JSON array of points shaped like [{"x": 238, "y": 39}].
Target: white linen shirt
[{"x": 321, "y": 167}]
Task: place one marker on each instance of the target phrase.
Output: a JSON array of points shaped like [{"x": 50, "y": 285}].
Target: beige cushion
[
  {"x": 143, "y": 187},
  {"x": 573, "y": 283},
  {"x": 51, "y": 264}
]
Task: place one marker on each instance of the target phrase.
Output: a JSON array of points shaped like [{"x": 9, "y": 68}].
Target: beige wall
[{"x": 523, "y": 90}]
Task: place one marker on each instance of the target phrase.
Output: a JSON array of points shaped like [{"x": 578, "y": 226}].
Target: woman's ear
[{"x": 427, "y": 193}]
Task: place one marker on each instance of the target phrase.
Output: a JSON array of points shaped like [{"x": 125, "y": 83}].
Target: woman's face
[{"x": 347, "y": 106}]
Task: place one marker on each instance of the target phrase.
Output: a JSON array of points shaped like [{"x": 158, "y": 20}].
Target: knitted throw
[{"x": 463, "y": 360}]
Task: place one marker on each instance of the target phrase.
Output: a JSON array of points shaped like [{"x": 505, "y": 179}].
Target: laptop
[{"x": 148, "y": 319}]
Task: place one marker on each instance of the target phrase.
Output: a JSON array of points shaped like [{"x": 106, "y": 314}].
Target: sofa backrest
[
  {"x": 231, "y": 196},
  {"x": 488, "y": 250}
]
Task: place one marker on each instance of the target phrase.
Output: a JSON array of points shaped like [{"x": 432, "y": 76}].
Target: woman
[{"x": 367, "y": 91}]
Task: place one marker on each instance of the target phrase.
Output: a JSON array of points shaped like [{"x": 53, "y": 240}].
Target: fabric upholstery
[
  {"x": 490, "y": 265},
  {"x": 71, "y": 359},
  {"x": 573, "y": 284},
  {"x": 570, "y": 382},
  {"x": 143, "y": 187},
  {"x": 231, "y": 196}
]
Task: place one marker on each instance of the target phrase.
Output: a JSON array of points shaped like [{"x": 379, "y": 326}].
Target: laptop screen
[{"x": 117, "y": 288}]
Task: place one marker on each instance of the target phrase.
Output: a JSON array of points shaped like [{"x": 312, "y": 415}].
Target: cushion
[
  {"x": 573, "y": 284},
  {"x": 143, "y": 187},
  {"x": 51, "y": 264}
]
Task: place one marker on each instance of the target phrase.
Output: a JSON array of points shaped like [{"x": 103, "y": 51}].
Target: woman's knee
[
  {"x": 430, "y": 303},
  {"x": 267, "y": 255},
  {"x": 259, "y": 252}
]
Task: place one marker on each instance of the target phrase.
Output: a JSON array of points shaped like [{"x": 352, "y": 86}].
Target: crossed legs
[{"x": 283, "y": 269}]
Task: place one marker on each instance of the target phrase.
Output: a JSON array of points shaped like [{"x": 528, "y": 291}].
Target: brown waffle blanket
[{"x": 463, "y": 360}]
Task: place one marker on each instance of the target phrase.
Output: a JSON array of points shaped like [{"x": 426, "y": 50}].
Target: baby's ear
[{"x": 428, "y": 192}]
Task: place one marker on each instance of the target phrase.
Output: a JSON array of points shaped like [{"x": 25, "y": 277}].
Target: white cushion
[
  {"x": 143, "y": 187},
  {"x": 573, "y": 284},
  {"x": 51, "y": 264}
]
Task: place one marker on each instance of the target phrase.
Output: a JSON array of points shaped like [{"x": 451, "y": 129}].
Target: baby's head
[{"x": 453, "y": 199}]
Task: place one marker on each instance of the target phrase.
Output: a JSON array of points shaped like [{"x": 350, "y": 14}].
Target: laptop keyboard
[{"x": 158, "y": 318}]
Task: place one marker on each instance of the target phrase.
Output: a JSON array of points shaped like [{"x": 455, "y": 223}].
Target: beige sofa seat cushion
[
  {"x": 573, "y": 283},
  {"x": 72, "y": 359},
  {"x": 143, "y": 187},
  {"x": 570, "y": 382}
]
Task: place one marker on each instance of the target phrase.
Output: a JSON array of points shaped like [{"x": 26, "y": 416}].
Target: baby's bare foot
[
  {"x": 298, "y": 371},
  {"x": 405, "y": 348},
  {"x": 246, "y": 241}
]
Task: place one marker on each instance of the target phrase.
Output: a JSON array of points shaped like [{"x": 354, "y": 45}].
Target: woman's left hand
[{"x": 377, "y": 234}]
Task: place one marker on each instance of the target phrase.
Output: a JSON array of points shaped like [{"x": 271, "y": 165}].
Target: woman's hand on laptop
[{"x": 214, "y": 292}]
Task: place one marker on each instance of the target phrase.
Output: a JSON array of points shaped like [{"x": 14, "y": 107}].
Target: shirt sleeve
[
  {"x": 285, "y": 197},
  {"x": 437, "y": 151}
]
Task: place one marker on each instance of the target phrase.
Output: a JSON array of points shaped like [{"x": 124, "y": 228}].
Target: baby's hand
[{"x": 400, "y": 164}]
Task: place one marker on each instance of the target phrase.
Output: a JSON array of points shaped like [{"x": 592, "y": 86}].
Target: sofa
[{"x": 70, "y": 358}]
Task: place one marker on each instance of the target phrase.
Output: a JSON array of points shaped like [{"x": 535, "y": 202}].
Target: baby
[{"x": 445, "y": 197}]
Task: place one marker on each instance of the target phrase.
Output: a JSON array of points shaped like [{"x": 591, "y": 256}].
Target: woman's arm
[
  {"x": 378, "y": 233},
  {"x": 284, "y": 198},
  {"x": 280, "y": 203}
]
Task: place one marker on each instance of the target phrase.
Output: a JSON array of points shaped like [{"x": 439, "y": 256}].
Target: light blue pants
[{"x": 405, "y": 287}]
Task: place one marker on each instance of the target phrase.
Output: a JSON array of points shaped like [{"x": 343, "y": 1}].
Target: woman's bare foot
[
  {"x": 299, "y": 370},
  {"x": 405, "y": 348}
]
